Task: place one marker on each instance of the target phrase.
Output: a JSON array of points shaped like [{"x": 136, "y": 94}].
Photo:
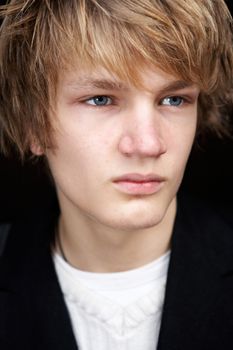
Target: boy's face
[{"x": 121, "y": 151}]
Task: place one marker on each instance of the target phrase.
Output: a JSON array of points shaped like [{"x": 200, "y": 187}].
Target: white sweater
[{"x": 115, "y": 311}]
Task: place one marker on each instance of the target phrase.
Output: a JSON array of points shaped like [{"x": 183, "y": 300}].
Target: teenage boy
[{"x": 112, "y": 94}]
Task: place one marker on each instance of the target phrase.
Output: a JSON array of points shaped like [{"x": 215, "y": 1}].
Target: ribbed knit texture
[{"x": 115, "y": 311}]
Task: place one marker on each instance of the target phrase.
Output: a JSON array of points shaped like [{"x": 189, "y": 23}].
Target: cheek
[
  {"x": 78, "y": 158},
  {"x": 184, "y": 134},
  {"x": 180, "y": 145},
  {"x": 85, "y": 136}
]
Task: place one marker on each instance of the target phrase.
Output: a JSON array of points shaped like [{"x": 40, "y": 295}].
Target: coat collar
[
  {"x": 40, "y": 314},
  {"x": 202, "y": 246},
  {"x": 201, "y": 257}
]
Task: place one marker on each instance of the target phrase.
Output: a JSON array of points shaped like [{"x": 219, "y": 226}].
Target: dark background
[{"x": 209, "y": 174}]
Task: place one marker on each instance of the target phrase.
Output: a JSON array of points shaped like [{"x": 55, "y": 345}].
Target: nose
[{"x": 143, "y": 136}]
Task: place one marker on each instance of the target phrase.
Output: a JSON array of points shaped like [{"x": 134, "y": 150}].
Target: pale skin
[{"x": 104, "y": 227}]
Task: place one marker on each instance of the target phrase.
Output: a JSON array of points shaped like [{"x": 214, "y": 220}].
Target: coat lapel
[
  {"x": 199, "y": 278},
  {"x": 198, "y": 304},
  {"x": 35, "y": 310}
]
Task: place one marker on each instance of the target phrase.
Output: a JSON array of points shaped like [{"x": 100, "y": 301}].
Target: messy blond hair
[{"x": 191, "y": 39}]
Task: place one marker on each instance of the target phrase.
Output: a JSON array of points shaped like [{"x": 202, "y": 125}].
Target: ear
[{"x": 36, "y": 149}]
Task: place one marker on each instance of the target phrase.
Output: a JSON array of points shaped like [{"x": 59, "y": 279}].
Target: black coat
[{"x": 198, "y": 307}]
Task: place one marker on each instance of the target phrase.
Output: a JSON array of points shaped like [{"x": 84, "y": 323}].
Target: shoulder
[
  {"x": 199, "y": 286},
  {"x": 202, "y": 212},
  {"x": 206, "y": 228},
  {"x": 205, "y": 224},
  {"x": 4, "y": 233}
]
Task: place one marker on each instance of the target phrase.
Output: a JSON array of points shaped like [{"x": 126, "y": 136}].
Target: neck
[{"x": 96, "y": 248}]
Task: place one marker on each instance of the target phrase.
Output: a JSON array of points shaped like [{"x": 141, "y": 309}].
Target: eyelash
[
  {"x": 99, "y": 97},
  {"x": 110, "y": 101},
  {"x": 182, "y": 99}
]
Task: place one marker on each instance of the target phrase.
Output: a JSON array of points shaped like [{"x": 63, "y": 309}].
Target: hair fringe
[{"x": 41, "y": 39}]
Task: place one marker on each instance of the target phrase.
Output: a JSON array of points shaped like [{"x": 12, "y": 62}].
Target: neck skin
[{"x": 95, "y": 248}]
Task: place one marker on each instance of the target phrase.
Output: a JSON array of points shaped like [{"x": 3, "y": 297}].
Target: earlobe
[{"x": 36, "y": 149}]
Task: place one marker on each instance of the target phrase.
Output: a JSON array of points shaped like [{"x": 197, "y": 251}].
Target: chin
[
  {"x": 141, "y": 215},
  {"x": 133, "y": 223}
]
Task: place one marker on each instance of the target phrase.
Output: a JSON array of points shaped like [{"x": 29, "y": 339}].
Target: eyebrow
[
  {"x": 103, "y": 84},
  {"x": 176, "y": 85},
  {"x": 107, "y": 84}
]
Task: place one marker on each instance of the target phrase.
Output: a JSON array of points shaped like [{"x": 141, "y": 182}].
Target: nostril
[
  {"x": 126, "y": 145},
  {"x": 144, "y": 145}
]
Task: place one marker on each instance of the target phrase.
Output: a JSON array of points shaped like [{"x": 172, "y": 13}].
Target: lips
[
  {"x": 139, "y": 184},
  {"x": 139, "y": 178}
]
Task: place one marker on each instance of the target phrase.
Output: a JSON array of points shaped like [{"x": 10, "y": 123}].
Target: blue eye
[
  {"x": 175, "y": 101},
  {"x": 99, "y": 101}
]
